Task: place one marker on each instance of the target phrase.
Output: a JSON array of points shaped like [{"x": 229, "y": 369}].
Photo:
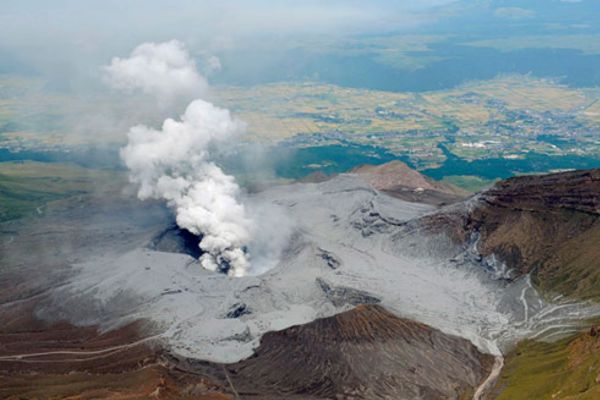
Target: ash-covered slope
[
  {"x": 42, "y": 360},
  {"x": 352, "y": 245},
  {"x": 547, "y": 225}
]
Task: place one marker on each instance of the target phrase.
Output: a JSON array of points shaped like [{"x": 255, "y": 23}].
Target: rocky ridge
[{"x": 546, "y": 225}]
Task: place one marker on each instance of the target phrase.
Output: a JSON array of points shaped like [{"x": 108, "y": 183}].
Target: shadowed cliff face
[
  {"x": 177, "y": 240},
  {"x": 548, "y": 225}
]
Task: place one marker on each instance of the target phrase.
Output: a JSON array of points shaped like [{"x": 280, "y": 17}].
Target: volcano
[{"x": 375, "y": 295}]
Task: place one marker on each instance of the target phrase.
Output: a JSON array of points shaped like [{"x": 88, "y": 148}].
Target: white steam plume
[
  {"x": 163, "y": 70},
  {"x": 174, "y": 164}
]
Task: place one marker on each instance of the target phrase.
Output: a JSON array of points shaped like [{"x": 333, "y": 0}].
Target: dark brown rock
[
  {"x": 365, "y": 353},
  {"x": 573, "y": 190},
  {"x": 548, "y": 225}
]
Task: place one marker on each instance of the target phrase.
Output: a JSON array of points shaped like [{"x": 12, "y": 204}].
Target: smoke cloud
[
  {"x": 173, "y": 163},
  {"x": 164, "y": 70}
]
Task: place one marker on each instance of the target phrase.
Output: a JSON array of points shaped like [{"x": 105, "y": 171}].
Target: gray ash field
[{"x": 350, "y": 245}]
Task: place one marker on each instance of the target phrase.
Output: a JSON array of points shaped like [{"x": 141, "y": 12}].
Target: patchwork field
[{"x": 509, "y": 117}]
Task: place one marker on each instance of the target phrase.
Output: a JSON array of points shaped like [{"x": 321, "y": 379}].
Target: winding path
[
  {"x": 491, "y": 379},
  {"x": 26, "y": 356}
]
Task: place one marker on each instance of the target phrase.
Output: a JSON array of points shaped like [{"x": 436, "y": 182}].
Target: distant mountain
[{"x": 399, "y": 180}]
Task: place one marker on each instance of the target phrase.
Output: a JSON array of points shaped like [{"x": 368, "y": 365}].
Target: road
[
  {"x": 490, "y": 380},
  {"x": 27, "y": 356}
]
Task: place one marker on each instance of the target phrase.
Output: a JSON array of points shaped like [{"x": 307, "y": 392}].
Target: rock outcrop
[{"x": 577, "y": 191}]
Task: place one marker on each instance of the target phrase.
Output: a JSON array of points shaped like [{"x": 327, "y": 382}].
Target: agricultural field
[
  {"x": 498, "y": 118},
  {"x": 506, "y": 118}
]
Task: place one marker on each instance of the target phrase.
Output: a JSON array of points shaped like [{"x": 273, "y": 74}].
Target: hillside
[
  {"x": 365, "y": 353},
  {"x": 399, "y": 180},
  {"x": 566, "y": 369},
  {"x": 546, "y": 225}
]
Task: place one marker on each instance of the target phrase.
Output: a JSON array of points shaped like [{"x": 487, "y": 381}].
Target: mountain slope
[
  {"x": 364, "y": 353},
  {"x": 40, "y": 360},
  {"x": 566, "y": 369},
  {"x": 399, "y": 180},
  {"x": 548, "y": 225},
  {"x": 352, "y": 245}
]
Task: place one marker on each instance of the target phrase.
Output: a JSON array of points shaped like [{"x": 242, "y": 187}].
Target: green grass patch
[
  {"x": 25, "y": 187},
  {"x": 566, "y": 369},
  {"x": 470, "y": 183},
  {"x": 589, "y": 44}
]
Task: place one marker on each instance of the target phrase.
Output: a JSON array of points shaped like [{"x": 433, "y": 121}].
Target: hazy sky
[
  {"x": 94, "y": 23},
  {"x": 69, "y": 38},
  {"x": 72, "y": 37},
  {"x": 100, "y": 23},
  {"x": 67, "y": 42}
]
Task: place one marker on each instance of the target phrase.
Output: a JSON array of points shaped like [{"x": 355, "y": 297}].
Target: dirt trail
[
  {"x": 490, "y": 380},
  {"x": 26, "y": 356}
]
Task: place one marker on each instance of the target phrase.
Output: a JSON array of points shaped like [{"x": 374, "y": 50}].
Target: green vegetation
[
  {"x": 487, "y": 129},
  {"x": 468, "y": 182},
  {"x": 500, "y": 118},
  {"x": 566, "y": 369},
  {"x": 26, "y": 187},
  {"x": 497, "y": 120},
  {"x": 588, "y": 44},
  {"x": 400, "y": 51},
  {"x": 573, "y": 271}
]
